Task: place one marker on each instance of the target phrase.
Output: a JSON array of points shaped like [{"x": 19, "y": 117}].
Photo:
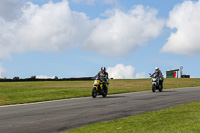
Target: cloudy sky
[{"x": 75, "y": 38}]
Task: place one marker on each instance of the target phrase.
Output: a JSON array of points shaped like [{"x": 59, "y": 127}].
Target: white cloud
[
  {"x": 44, "y": 77},
  {"x": 3, "y": 72},
  {"x": 55, "y": 27},
  {"x": 10, "y": 9},
  {"x": 124, "y": 72},
  {"x": 91, "y": 2},
  {"x": 51, "y": 27},
  {"x": 185, "y": 19},
  {"x": 140, "y": 75},
  {"x": 123, "y": 33}
]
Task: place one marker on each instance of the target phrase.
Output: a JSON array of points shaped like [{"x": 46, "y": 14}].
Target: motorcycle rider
[
  {"x": 102, "y": 75},
  {"x": 159, "y": 74}
]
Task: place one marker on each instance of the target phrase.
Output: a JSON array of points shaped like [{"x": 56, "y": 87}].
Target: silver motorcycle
[{"x": 157, "y": 82}]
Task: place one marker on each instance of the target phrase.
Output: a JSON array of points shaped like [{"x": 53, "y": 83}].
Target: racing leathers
[
  {"x": 159, "y": 74},
  {"x": 103, "y": 76}
]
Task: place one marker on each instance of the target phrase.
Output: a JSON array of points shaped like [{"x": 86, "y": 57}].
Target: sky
[{"x": 75, "y": 38}]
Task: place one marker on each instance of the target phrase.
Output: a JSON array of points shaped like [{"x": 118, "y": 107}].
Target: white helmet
[{"x": 157, "y": 68}]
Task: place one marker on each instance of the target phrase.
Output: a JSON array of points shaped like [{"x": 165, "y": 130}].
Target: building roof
[{"x": 173, "y": 70}]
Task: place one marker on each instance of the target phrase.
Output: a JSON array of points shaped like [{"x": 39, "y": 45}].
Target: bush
[{"x": 16, "y": 78}]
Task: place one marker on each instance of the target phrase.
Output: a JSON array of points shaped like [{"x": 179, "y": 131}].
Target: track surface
[{"x": 63, "y": 115}]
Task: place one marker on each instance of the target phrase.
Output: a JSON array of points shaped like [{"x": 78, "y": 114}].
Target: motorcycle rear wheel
[
  {"x": 104, "y": 93},
  {"x": 94, "y": 92},
  {"x": 160, "y": 88}
]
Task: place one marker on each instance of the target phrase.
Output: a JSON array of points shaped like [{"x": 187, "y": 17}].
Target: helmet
[
  {"x": 103, "y": 69},
  {"x": 156, "y": 68}
]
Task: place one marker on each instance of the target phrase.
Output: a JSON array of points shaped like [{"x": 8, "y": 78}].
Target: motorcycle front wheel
[
  {"x": 94, "y": 92},
  {"x": 153, "y": 88}
]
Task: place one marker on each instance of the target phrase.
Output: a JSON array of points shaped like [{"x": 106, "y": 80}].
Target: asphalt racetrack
[{"x": 61, "y": 115}]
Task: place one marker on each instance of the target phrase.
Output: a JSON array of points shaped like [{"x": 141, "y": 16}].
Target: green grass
[
  {"x": 27, "y": 92},
  {"x": 178, "y": 119}
]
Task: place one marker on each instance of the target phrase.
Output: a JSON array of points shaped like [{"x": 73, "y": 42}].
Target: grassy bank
[
  {"x": 178, "y": 119},
  {"x": 26, "y": 92}
]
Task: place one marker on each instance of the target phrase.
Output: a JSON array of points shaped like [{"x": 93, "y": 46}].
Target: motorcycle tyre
[
  {"x": 153, "y": 88},
  {"x": 94, "y": 92},
  {"x": 160, "y": 88},
  {"x": 104, "y": 94}
]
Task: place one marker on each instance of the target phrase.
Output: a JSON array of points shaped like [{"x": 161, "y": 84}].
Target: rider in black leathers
[
  {"x": 102, "y": 75},
  {"x": 159, "y": 73}
]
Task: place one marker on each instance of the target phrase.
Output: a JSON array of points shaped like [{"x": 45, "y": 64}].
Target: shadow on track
[
  {"x": 112, "y": 97},
  {"x": 168, "y": 91}
]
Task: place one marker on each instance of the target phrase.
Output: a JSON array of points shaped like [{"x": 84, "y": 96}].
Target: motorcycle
[
  {"x": 100, "y": 88},
  {"x": 157, "y": 82}
]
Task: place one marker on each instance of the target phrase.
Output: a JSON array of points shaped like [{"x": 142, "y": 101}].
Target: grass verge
[
  {"x": 178, "y": 119},
  {"x": 28, "y": 92}
]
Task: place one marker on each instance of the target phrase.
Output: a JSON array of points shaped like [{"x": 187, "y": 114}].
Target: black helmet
[{"x": 103, "y": 69}]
